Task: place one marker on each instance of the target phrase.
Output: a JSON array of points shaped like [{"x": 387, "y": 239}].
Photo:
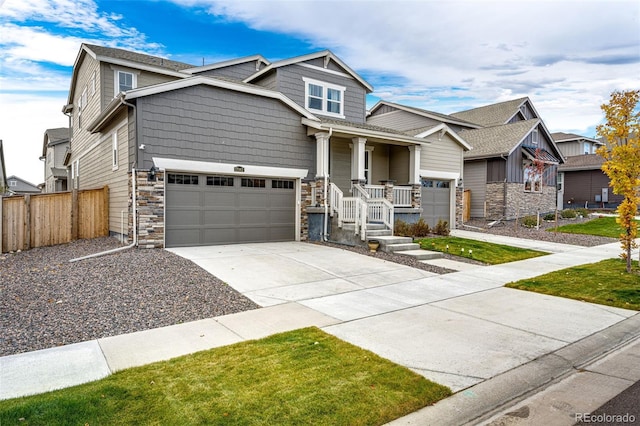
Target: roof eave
[
  {"x": 357, "y": 131},
  {"x": 444, "y": 128},
  {"x": 231, "y": 62}
]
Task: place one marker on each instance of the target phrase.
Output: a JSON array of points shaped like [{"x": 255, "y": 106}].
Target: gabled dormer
[
  {"x": 319, "y": 82},
  {"x": 235, "y": 69}
]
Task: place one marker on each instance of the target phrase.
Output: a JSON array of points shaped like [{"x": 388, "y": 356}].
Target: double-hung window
[
  {"x": 124, "y": 80},
  {"x": 324, "y": 98}
]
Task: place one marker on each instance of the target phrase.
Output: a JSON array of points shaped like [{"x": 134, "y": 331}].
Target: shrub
[
  {"x": 529, "y": 221},
  {"x": 442, "y": 227},
  {"x": 550, "y": 216},
  {"x": 568, "y": 214},
  {"x": 420, "y": 228},
  {"x": 401, "y": 228},
  {"x": 582, "y": 212}
]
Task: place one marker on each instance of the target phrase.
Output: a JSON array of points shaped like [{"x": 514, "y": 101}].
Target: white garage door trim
[{"x": 202, "y": 167}]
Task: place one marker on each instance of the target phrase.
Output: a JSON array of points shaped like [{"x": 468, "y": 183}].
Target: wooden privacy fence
[
  {"x": 466, "y": 204},
  {"x": 29, "y": 221}
]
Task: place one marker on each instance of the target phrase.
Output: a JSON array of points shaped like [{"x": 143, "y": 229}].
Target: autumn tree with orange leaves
[{"x": 621, "y": 152}]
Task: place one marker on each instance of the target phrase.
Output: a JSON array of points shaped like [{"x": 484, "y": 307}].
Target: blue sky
[{"x": 445, "y": 56}]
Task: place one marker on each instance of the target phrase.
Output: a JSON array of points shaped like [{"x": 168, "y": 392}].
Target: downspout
[
  {"x": 325, "y": 236},
  {"x": 135, "y": 225}
]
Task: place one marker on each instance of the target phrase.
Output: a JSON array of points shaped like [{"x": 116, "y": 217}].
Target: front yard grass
[
  {"x": 602, "y": 226},
  {"x": 605, "y": 283},
  {"x": 300, "y": 377},
  {"x": 490, "y": 253}
]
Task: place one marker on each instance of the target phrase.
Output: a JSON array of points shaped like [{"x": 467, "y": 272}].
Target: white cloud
[
  {"x": 30, "y": 116},
  {"x": 566, "y": 55}
]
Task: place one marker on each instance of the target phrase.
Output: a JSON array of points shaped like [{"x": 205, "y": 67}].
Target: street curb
[{"x": 484, "y": 400}]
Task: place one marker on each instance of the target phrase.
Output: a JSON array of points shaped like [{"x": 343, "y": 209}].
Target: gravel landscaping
[{"x": 46, "y": 301}]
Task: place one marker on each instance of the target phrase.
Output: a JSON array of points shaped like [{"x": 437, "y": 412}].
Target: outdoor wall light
[{"x": 151, "y": 175}]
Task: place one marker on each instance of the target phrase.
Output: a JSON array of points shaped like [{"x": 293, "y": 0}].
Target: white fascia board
[
  {"x": 176, "y": 165},
  {"x": 196, "y": 80},
  {"x": 356, "y": 131},
  {"x": 139, "y": 66},
  {"x": 446, "y": 129}
]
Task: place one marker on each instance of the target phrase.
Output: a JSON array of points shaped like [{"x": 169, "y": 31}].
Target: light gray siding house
[
  {"x": 241, "y": 151},
  {"x": 18, "y": 186},
  {"x": 55, "y": 148}
]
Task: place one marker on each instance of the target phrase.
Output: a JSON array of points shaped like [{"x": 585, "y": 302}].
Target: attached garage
[
  {"x": 436, "y": 201},
  {"x": 211, "y": 209}
]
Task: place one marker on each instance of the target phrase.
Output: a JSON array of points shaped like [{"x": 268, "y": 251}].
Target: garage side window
[
  {"x": 180, "y": 179},
  {"x": 253, "y": 183},
  {"x": 219, "y": 181},
  {"x": 282, "y": 184}
]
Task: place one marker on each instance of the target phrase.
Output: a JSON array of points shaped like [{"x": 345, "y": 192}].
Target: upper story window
[
  {"x": 324, "y": 98},
  {"x": 535, "y": 137},
  {"x": 124, "y": 80},
  {"x": 587, "y": 148},
  {"x": 13, "y": 183}
]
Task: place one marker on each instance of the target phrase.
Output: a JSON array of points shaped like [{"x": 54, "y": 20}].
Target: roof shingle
[
  {"x": 497, "y": 140},
  {"x": 491, "y": 115}
]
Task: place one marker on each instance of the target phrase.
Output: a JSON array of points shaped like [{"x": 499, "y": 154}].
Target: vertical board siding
[{"x": 47, "y": 219}]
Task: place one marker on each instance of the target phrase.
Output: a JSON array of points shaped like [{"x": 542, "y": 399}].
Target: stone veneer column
[
  {"x": 150, "y": 210},
  {"x": 416, "y": 196},
  {"x": 459, "y": 212},
  {"x": 305, "y": 201},
  {"x": 388, "y": 190}
]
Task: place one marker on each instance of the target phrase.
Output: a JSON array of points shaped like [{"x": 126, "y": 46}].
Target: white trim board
[{"x": 172, "y": 164}]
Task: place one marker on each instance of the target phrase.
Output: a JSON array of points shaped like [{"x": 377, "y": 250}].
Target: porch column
[
  {"x": 322, "y": 168},
  {"x": 414, "y": 164},
  {"x": 357, "y": 160}
]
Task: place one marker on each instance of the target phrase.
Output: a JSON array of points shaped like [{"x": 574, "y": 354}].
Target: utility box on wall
[{"x": 605, "y": 195}]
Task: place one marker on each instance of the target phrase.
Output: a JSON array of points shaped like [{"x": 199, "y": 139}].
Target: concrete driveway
[{"x": 457, "y": 329}]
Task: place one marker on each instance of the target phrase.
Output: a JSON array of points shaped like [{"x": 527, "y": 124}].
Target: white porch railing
[
  {"x": 381, "y": 211},
  {"x": 335, "y": 201},
  {"x": 402, "y": 196},
  {"x": 375, "y": 191}
]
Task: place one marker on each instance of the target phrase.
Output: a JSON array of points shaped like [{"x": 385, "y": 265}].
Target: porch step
[
  {"x": 375, "y": 233},
  {"x": 422, "y": 254},
  {"x": 402, "y": 248}
]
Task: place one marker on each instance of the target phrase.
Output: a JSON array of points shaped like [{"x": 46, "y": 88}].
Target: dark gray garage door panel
[
  {"x": 207, "y": 215},
  {"x": 436, "y": 203}
]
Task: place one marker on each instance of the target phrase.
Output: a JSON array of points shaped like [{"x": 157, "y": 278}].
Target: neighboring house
[
  {"x": 3, "y": 172},
  {"x": 581, "y": 181},
  {"x": 18, "y": 186},
  {"x": 501, "y": 169},
  {"x": 245, "y": 150},
  {"x": 55, "y": 148},
  {"x": 506, "y": 140}
]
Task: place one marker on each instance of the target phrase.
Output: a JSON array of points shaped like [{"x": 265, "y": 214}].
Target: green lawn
[
  {"x": 300, "y": 377},
  {"x": 605, "y": 282},
  {"x": 602, "y": 226},
  {"x": 490, "y": 253}
]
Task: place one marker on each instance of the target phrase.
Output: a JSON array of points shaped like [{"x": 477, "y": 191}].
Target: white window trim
[
  {"x": 114, "y": 150},
  {"x": 13, "y": 183},
  {"x": 535, "y": 137},
  {"x": 325, "y": 86},
  {"x": 116, "y": 80},
  {"x": 534, "y": 175}
]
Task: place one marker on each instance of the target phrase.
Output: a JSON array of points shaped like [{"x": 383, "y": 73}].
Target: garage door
[
  {"x": 436, "y": 201},
  {"x": 213, "y": 209}
]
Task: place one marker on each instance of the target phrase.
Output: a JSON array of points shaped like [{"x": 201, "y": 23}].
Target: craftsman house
[{"x": 248, "y": 150}]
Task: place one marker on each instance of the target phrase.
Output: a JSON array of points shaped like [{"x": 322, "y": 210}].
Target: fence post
[
  {"x": 105, "y": 210},
  {"x": 27, "y": 222},
  {"x": 74, "y": 215}
]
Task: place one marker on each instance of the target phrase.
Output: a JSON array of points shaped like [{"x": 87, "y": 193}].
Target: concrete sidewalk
[{"x": 462, "y": 329}]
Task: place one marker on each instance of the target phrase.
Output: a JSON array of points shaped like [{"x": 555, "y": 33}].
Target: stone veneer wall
[
  {"x": 305, "y": 202},
  {"x": 519, "y": 203},
  {"x": 459, "y": 207},
  {"x": 150, "y": 210}
]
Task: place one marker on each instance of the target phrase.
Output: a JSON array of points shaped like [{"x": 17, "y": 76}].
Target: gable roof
[
  {"x": 494, "y": 114},
  {"x": 22, "y": 186},
  {"x": 443, "y": 129},
  {"x": 258, "y": 59},
  {"x": 125, "y": 58},
  {"x": 572, "y": 137},
  {"x": 582, "y": 162},
  {"x": 326, "y": 54},
  {"x": 495, "y": 141},
  {"x": 424, "y": 113},
  {"x": 54, "y": 137}
]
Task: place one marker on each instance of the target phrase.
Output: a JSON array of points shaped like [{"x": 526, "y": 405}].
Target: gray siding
[
  {"x": 379, "y": 163},
  {"x": 290, "y": 83},
  {"x": 143, "y": 79},
  {"x": 340, "y": 164},
  {"x": 475, "y": 173},
  {"x": 401, "y": 120},
  {"x": 496, "y": 170},
  {"x": 204, "y": 123},
  {"x": 269, "y": 81},
  {"x": 442, "y": 154},
  {"x": 570, "y": 149},
  {"x": 399, "y": 164},
  {"x": 526, "y": 111},
  {"x": 515, "y": 169},
  {"x": 583, "y": 185}
]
